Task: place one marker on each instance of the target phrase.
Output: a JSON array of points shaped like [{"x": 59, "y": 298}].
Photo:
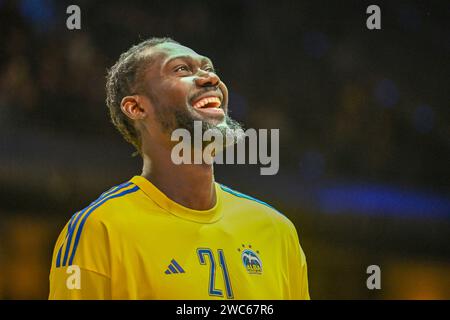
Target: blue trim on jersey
[
  {"x": 241, "y": 195},
  {"x": 58, "y": 257},
  {"x": 71, "y": 228},
  {"x": 99, "y": 203}
]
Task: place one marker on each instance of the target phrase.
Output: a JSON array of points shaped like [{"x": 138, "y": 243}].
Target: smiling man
[{"x": 173, "y": 232}]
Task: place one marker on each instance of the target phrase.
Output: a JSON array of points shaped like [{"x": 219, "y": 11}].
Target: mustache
[{"x": 203, "y": 91}]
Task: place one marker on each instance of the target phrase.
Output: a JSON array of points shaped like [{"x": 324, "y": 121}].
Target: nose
[{"x": 207, "y": 79}]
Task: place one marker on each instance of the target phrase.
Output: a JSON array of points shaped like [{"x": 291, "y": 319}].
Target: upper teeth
[{"x": 205, "y": 101}]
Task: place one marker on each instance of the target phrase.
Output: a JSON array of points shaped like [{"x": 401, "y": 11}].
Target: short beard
[{"x": 230, "y": 129}]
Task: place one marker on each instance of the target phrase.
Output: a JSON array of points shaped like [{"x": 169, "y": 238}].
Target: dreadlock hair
[{"x": 123, "y": 80}]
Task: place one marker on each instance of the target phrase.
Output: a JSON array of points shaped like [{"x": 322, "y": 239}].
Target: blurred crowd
[{"x": 363, "y": 116}]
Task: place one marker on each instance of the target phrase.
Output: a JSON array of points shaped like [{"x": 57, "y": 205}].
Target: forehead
[{"x": 167, "y": 51}]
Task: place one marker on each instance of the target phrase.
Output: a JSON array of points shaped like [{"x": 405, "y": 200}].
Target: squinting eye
[
  {"x": 210, "y": 69},
  {"x": 182, "y": 68}
]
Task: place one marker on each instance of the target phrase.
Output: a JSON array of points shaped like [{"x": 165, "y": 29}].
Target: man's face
[{"x": 183, "y": 87}]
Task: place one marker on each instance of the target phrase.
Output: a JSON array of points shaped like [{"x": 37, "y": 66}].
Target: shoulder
[
  {"x": 258, "y": 207},
  {"x": 90, "y": 225},
  {"x": 92, "y": 218},
  {"x": 111, "y": 201}
]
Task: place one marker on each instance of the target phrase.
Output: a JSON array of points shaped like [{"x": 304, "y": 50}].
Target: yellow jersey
[{"x": 133, "y": 242}]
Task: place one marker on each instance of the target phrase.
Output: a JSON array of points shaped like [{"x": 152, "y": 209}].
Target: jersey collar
[{"x": 202, "y": 216}]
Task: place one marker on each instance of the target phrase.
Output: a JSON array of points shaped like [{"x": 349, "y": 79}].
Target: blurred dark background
[{"x": 363, "y": 118}]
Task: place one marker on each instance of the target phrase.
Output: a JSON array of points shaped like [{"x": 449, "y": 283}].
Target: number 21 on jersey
[{"x": 205, "y": 254}]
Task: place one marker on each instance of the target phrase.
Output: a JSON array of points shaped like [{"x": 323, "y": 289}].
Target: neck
[{"x": 191, "y": 185}]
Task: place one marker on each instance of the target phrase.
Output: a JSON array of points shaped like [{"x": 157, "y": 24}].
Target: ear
[{"x": 133, "y": 107}]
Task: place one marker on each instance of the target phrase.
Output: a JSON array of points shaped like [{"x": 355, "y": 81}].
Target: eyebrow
[{"x": 190, "y": 58}]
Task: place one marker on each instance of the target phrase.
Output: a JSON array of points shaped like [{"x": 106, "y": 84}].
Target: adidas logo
[{"x": 174, "y": 267}]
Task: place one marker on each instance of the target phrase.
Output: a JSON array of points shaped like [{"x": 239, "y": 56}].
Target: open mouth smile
[{"x": 208, "y": 104}]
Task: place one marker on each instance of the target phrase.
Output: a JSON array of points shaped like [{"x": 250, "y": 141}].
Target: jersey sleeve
[
  {"x": 68, "y": 283},
  {"x": 297, "y": 269},
  {"x": 81, "y": 261}
]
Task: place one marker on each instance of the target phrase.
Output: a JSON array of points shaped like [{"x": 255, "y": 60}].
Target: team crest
[{"x": 252, "y": 262}]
